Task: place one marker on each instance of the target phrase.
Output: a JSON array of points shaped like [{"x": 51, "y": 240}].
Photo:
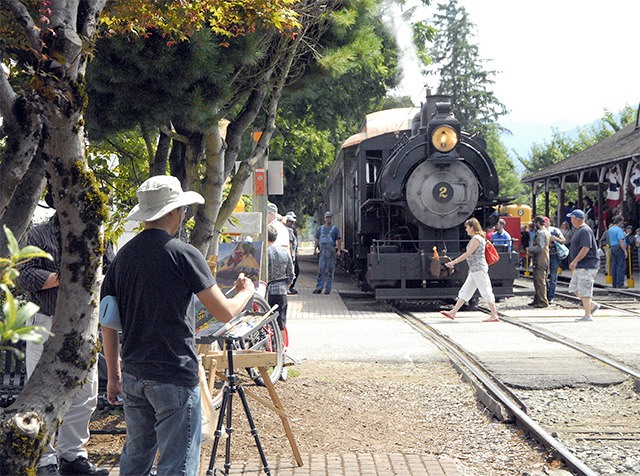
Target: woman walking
[{"x": 478, "y": 276}]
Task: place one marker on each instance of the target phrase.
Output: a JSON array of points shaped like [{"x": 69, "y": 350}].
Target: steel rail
[{"x": 522, "y": 419}]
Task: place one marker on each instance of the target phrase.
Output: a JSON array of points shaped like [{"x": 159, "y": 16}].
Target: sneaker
[
  {"x": 317, "y": 291},
  {"x": 328, "y": 291},
  {"x": 595, "y": 308},
  {"x": 532, "y": 303},
  {"x": 48, "y": 470},
  {"x": 540, "y": 305},
  {"x": 81, "y": 466},
  {"x": 584, "y": 319},
  {"x": 292, "y": 291}
]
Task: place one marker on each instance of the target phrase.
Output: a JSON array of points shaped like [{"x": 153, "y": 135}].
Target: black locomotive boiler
[{"x": 399, "y": 190}]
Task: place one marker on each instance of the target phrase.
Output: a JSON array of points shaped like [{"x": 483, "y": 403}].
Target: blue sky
[{"x": 560, "y": 63}]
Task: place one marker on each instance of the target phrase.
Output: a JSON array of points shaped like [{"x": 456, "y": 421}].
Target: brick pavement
[{"x": 349, "y": 464}]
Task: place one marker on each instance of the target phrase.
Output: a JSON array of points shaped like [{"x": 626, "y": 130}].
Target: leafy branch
[{"x": 14, "y": 317}]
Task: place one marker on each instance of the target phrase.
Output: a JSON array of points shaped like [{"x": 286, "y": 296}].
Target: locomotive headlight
[{"x": 444, "y": 138}]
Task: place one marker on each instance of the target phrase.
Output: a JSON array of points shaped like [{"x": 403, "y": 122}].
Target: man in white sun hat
[{"x": 153, "y": 278}]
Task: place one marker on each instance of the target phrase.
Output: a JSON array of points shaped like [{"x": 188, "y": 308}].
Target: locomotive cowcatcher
[{"x": 400, "y": 194}]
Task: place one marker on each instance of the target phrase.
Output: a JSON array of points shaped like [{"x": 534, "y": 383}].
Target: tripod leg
[
  {"x": 218, "y": 432},
  {"x": 254, "y": 430},
  {"x": 229, "y": 429}
]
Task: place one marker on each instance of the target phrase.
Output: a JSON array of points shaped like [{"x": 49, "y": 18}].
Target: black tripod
[{"x": 226, "y": 408}]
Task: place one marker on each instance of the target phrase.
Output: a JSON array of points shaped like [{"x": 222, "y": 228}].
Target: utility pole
[{"x": 260, "y": 200}]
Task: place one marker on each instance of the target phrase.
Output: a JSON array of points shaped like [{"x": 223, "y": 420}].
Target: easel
[{"x": 231, "y": 359}]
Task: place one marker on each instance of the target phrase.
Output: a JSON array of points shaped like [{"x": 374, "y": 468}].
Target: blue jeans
[
  {"x": 326, "y": 267},
  {"x": 618, "y": 266},
  {"x": 552, "y": 280},
  {"x": 165, "y": 417}
]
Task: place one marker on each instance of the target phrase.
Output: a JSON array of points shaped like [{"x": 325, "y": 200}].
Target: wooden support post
[{"x": 283, "y": 417}]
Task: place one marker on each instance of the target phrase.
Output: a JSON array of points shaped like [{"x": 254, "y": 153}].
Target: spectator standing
[
  {"x": 539, "y": 250},
  {"x": 478, "y": 275},
  {"x": 555, "y": 236},
  {"x": 40, "y": 278},
  {"x": 501, "y": 237},
  {"x": 280, "y": 271},
  {"x": 489, "y": 233},
  {"x": 618, "y": 251},
  {"x": 290, "y": 221},
  {"x": 584, "y": 263},
  {"x": 328, "y": 244},
  {"x": 567, "y": 232},
  {"x": 273, "y": 218},
  {"x": 153, "y": 278},
  {"x": 631, "y": 244},
  {"x": 588, "y": 212},
  {"x": 525, "y": 238}
]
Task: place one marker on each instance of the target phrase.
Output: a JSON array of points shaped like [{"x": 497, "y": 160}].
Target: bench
[{"x": 14, "y": 375}]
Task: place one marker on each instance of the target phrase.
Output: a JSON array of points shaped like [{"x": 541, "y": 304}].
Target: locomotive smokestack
[{"x": 429, "y": 110}]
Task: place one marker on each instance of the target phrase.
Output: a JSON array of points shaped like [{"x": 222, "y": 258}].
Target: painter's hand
[{"x": 243, "y": 283}]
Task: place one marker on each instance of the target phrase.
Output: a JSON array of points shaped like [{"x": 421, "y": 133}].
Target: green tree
[
  {"x": 241, "y": 83},
  {"x": 44, "y": 49},
  {"x": 460, "y": 69}
]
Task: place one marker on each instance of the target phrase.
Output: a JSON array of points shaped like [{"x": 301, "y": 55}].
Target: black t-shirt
[
  {"x": 582, "y": 237},
  {"x": 153, "y": 278}
]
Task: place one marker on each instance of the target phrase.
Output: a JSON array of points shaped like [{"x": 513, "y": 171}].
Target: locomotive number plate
[{"x": 442, "y": 192}]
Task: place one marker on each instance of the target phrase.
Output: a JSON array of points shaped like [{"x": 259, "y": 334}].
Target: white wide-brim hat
[{"x": 158, "y": 195}]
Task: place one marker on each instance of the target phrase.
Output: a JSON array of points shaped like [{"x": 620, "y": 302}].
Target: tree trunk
[
  {"x": 205, "y": 235},
  {"x": 28, "y": 424},
  {"x": 70, "y": 353}
]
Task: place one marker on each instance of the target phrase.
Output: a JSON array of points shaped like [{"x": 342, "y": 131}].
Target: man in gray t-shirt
[{"x": 584, "y": 263}]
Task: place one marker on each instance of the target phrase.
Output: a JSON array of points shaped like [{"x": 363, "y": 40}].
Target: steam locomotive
[{"x": 400, "y": 191}]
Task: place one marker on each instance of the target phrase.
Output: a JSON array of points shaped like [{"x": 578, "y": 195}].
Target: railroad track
[{"x": 578, "y": 443}]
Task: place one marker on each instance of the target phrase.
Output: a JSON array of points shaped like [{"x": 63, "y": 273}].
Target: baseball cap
[
  {"x": 291, "y": 216},
  {"x": 160, "y": 194},
  {"x": 579, "y": 214},
  {"x": 328, "y": 214}
]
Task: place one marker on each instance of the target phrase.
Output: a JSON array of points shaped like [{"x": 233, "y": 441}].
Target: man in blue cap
[{"x": 584, "y": 263}]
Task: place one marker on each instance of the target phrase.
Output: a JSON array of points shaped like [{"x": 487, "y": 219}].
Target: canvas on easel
[{"x": 236, "y": 258}]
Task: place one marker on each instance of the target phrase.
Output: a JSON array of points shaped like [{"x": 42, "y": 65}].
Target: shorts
[{"x": 582, "y": 282}]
